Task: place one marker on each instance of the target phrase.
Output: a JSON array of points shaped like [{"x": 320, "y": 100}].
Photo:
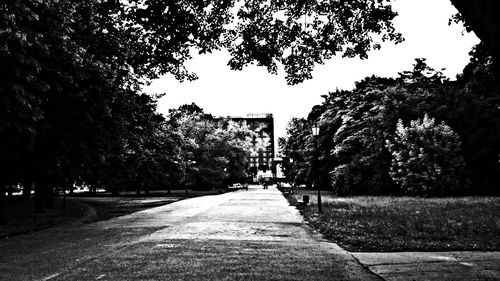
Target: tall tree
[
  {"x": 212, "y": 150},
  {"x": 67, "y": 71},
  {"x": 297, "y": 34},
  {"x": 481, "y": 16}
]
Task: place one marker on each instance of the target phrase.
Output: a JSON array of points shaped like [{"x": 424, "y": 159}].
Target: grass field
[
  {"x": 368, "y": 223},
  {"x": 21, "y": 218}
]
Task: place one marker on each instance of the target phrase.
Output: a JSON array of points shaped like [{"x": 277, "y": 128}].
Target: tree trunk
[
  {"x": 3, "y": 217},
  {"x": 39, "y": 198},
  {"x": 9, "y": 190},
  {"x": 27, "y": 186},
  {"x": 64, "y": 195},
  {"x": 138, "y": 188},
  {"x": 114, "y": 191},
  {"x": 309, "y": 185},
  {"x": 91, "y": 190},
  {"x": 49, "y": 195}
]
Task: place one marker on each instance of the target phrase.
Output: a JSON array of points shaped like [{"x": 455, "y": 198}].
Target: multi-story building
[{"x": 262, "y": 151}]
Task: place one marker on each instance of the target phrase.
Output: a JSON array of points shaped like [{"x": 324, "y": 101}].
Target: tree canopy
[
  {"x": 357, "y": 125},
  {"x": 482, "y": 18},
  {"x": 297, "y": 34},
  {"x": 212, "y": 151},
  {"x": 71, "y": 74}
]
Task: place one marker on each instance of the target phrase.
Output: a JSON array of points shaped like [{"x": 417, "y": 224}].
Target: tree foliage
[
  {"x": 301, "y": 34},
  {"x": 296, "y": 34},
  {"x": 355, "y": 124},
  {"x": 212, "y": 151},
  {"x": 298, "y": 150},
  {"x": 71, "y": 73},
  {"x": 426, "y": 158},
  {"x": 70, "y": 101},
  {"x": 481, "y": 17}
]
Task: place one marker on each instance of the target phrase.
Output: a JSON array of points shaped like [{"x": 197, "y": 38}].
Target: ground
[
  {"x": 243, "y": 235},
  {"x": 385, "y": 223},
  {"x": 83, "y": 207}
]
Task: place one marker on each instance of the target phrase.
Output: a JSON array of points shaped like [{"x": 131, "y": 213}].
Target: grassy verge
[
  {"x": 21, "y": 218},
  {"x": 368, "y": 223},
  {"x": 110, "y": 207}
]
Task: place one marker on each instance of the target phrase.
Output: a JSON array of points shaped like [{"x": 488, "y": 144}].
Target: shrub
[{"x": 426, "y": 158}]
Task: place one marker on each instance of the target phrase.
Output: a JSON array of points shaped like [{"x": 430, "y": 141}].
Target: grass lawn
[
  {"x": 21, "y": 218},
  {"x": 368, "y": 223}
]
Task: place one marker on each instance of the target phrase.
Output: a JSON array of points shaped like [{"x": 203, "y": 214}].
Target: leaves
[
  {"x": 426, "y": 158},
  {"x": 211, "y": 150},
  {"x": 301, "y": 34},
  {"x": 354, "y": 157}
]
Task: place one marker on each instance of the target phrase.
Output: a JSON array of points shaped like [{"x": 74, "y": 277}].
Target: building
[{"x": 262, "y": 151}]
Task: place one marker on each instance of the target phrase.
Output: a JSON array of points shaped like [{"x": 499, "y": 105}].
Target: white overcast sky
[{"x": 223, "y": 92}]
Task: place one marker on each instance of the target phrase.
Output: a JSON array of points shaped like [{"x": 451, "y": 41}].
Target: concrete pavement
[
  {"x": 243, "y": 235},
  {"x": 430, "y": 266}
]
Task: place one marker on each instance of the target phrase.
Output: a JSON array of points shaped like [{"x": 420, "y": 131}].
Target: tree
[
  {"x": 212, "y": 150},
  {"x": 481, "y": 17},
  {"x": 297, "y": 34},
  {"x": 298, "y": 147},
  {"x": 67, "y": 68},
  {"x": 355, "y": 124},
  {"x": 427, "y": 158}
]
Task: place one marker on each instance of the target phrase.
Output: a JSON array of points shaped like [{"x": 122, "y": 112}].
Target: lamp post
[
  {"x": 315, "y": 132},
  {"x": 186, "y": 167},
  {"x": 185, "y": 176},
  {"x": 226, "y": 184}
]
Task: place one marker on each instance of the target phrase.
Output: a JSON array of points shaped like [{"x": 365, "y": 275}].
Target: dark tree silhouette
[{"x": 481, "y": 16}]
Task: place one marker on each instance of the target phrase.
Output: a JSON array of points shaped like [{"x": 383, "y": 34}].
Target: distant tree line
[
  {"x": 417, "y": 134},
  {"x": 211, "y": 152}
]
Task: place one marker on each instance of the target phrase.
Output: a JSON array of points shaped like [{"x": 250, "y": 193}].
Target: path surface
[
  {"x": 243, "y": 235},
  {"x": 430, "y": 266}
]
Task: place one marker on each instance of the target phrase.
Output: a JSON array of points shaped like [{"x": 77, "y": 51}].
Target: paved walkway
[
  {"x": 243, "y": 235},
  {"x": 423, "y": 266}
]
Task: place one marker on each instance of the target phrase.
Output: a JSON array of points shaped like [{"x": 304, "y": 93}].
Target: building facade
[{"x": 262, "y": 151}]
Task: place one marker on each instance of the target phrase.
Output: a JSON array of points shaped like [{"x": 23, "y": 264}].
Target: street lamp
[
  {"x": 315, "y": 132},
  {"x": 186, "y": 166},
  {"x": 226, "y": 184}
]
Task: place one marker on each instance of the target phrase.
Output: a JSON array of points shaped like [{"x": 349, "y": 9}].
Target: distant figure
[{"x": 266, "y": 183}]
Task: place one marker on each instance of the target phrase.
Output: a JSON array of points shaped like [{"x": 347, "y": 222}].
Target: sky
[{"x": 224, "y": 92}]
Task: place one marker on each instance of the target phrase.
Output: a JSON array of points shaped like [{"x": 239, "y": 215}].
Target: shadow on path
[{"x": 243, "y": 235}]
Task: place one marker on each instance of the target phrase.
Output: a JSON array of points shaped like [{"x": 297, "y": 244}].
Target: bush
[{"x": 426, "y": 158}]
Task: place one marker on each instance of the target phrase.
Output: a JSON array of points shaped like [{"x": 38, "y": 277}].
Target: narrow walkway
[{"x": 243, "y": 235}]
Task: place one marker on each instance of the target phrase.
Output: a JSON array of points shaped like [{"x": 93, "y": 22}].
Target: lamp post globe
[{"x": 315, "y": 130}]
